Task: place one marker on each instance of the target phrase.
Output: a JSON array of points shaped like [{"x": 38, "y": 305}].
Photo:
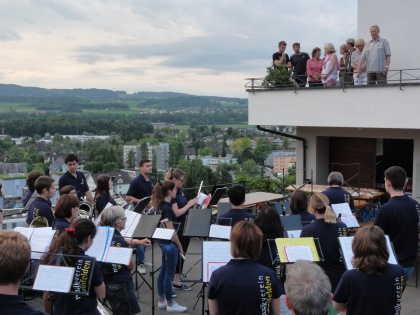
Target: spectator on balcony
[
  {"x": 377, "y": 55},
  {"x": 345, "y": 77},
  {"x": 335, "y": 193},
  {"x": 298, "y": 62},
  {"x": 280, "y": 57},
  {"x": 314, "y": 68},
  {"x": 350, "y": 44},
  {"x": 355, "y": 60},
  {"x": 330, "y": 66}
]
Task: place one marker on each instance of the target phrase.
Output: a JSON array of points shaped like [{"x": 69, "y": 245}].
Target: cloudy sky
[{"x": 202, "y": 47}]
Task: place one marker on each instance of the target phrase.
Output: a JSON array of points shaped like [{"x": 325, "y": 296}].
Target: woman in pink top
[
  {"x": 330, "y": 66},
  {"x": 314, "y": 68}
]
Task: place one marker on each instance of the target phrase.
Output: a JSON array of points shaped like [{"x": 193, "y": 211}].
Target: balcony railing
[{"x": 395, "y": 78}]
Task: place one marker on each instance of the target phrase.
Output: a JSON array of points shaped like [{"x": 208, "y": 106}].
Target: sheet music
[
  {"x": 341, "y": 208},
  {"x": 215, "y": 255},
  {"x": 133, "y": 219},
  {"x": 350, "y": 221},
  {"x": 119, "y": 255},
  {"x": 101, "y": 242},
  {"x": 201, "y": 198},
  {"x": 108, "y": 205},
  {"x": 54, "y": 278},
  {"x": 293, "y": 234},
  {"x": 220, "y": 231},
  {"x": 40, "y": 241},
  {"x": 24, "y": 231},
  {"x": 299, "y": 252},
  {"x": 163, "y": 234}
]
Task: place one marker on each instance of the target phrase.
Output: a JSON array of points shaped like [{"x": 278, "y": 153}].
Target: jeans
[
  {"x": 408, "y": 271},
  {"x": 167, "y": 270},
  {"x": 140, "y": 254}
]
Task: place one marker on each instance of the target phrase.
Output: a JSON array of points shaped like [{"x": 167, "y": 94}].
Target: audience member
[
  {"x": 374, "y": 286},
  {"x": 335, "y": 193},
  {"x": 181, "y": 207},
  {"x": 244, "y": 286},
  {"x": 162, "y": 195},
  {"x": 41, "y": 206},
  {"x": 299, "y": 205},
  {"x": 308, "y": 290},
  {"x": 268, "y": 220},
  {"x": 345, "y": 77},
  {"x": 102, "y": 196},
  {"x": 14, "y": 263},
  {"x": 314, "y": 68},
  {"x": 377, "y": 55},
  {"x": 280, "y": 57},
  {"x": 400, "y": 219},
  {"x": 298, "y": 61},
  {"x": 355, "y": 59},
  {"x": 76, "y": 240},
  {"x": 330, "y": 66},
  {"x": 237, "y": 212},
  {"x": 327, "y": 230},
  {"x": 118, "y": 280},
  {"x": 350, "y": 43}
]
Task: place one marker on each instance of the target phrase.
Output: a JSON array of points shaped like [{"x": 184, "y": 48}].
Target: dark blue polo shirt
[
  {"x": 14, "y": 304},
  {"x": 236, "y": 215},
  {"x": 181, "y": 201},
  {"x": 166, "y": 212},
  {"x": 59, "y": 226},
  {"x": 40, "y": 207},
  {"x": 140, "y": 188},
  {"x": 102, "y": 201},
  {"x": 78, "y": 182}
]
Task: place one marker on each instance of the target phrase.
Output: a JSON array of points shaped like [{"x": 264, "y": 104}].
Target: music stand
[
  {"x": 216, "y": 194},
  {"x": 292, "y": 222},
  {"x": 142, "y": 204},
  {"x": 198, "y": 223},
  {"x": 222, "y": 208}
]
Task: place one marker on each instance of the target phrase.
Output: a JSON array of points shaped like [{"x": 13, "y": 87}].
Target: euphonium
[
  {"x": 39, "y": 222},
  {"x": 85, "y": 210}
]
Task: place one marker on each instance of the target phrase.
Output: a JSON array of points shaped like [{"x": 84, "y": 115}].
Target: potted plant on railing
[{"x": 277, "y": 76}]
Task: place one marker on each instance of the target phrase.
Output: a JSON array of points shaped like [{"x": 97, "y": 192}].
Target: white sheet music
[
  {"x": 220, "y": 231},
  {"x": 54, "y": 278},
  {"x": 133, "y": 218},
  {"x": 350, "y": 221},
  {"x": 201, "y": 198},
  {"x": 294, "y": 234},
  {"x": 24, "y": 231},
  {"x": 163, "y": 234},
  {"x": 215, "y": 255},
  {"x": 341, "y": 208},
  {"x": 101, "y": 242},
  {"x": 119, "y": 255},
  {"x": 40, "y": 241},
  {"x": 299, "y": 252}
]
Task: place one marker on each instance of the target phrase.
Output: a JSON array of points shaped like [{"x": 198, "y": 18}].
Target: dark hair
[
  {"x": 397, "y": 176},
  {"x": 31, "y": 178},
  {"x": 236, "y": 195},
  {"x": 64, "y": 206},
  {"x": 268, "y": 220},
  {"x": 246, "y": 240},
  {"x": 102, "y": 187},
  {"x": 315, "y": 50},
  {"x": 370, "y": 250},
  {"x": 144, "y": 161},
  {"x": 282, "y": 43},
  {"x": 160, "y": 191},
  {"x": 70, "y": 158},
  {"x": 43, "y": 182},
  {"x": 296, "y": 44},
  {"x": 298, "y": 202},
  {"x": 70, "y": 240},
  {"x": 174, "y": 173},
  {"x": 67, "y": 189}
]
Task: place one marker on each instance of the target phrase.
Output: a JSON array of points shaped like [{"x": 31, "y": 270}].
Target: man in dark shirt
[
  {"x": 280, "y": 57},
  {"x": 141, "y": 187},
  {"x": 16, "y": 254},
  {"x": 41, "y": 206},
  {"x": 237, "y": 212},
  {"x": 75, "y": 178},
  {"x": 335, "y": 193},
  {"x": 400, "y": 219},
  {"x": 298, "y": 62}
]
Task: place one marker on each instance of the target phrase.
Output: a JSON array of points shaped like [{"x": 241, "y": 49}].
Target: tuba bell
[{"x": 39, "y": 222}]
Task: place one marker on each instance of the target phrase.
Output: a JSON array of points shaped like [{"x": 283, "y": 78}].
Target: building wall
[
  {"x": 282, "y": 163},
  {"x": 162, "y": 156}
]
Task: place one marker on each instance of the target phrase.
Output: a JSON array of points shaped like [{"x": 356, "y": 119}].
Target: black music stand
[
  {"x": 216, "y": 194},
  {"x": 292, "y": 222},
  {"x": 142, "y": 204}
]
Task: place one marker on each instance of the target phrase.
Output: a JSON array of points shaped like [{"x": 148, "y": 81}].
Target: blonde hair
[
  {"x": 329, "y": 48},
  {"x": 344, "y": 47},
  {"x": 174, "y": 173},
  {"x": 320, "y": 203},
  {"x": 360, "y": 41}
]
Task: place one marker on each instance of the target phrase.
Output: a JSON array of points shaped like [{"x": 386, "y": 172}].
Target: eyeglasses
[
  {"x": 181, "y": 180},
  {"x": 125, "y": 218}
]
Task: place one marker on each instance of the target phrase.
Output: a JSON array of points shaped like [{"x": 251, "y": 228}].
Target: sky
[{"x": 201, "y": 47}]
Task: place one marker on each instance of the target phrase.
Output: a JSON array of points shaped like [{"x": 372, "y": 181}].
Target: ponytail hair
[
  {"x": 70, "y": 239},
  {"x": 160, "y": 191},
  {"x": 321, "y": 204},
  {"x": 174, "y": 173}
]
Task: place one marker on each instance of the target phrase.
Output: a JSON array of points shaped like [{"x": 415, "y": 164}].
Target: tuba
[{"x": 39, "y": 222}]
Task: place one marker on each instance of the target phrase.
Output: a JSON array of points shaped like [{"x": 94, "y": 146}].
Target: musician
[
  {"x": 41, "y": 206},
  {"x": 31, "y": 194},
  {"x": 76, "y": 240},
  {"x": 118, "y": 280},
  {"x": 66, "y": 211},
  {"x": 15, "y": 257},
  {"x": 102, "y": 196},
  {"x": 237, "y": 212},
  {"x": 180, "y": 206},
  {"x": 75, "y": 178},
  {"x": 141, "y": 187},
  {"x": 68, "y": 189},
  {"x": 335, "y": 193}
]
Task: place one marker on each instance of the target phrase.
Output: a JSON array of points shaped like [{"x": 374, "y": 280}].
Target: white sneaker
[
  {"x": 176, "y": 308},
  {"x": 142, "y": 269},
  {"x": 162, "y": 305}
]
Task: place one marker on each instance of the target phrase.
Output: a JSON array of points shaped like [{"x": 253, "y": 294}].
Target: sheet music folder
[
  {"x": 198, "y": 223},
  {"x": 146, "y": 226}
]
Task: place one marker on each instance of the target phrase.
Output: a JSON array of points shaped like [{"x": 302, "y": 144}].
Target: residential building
[
  {"x": 162, "y": 156},
  {"x": 212, "y": 162}
]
